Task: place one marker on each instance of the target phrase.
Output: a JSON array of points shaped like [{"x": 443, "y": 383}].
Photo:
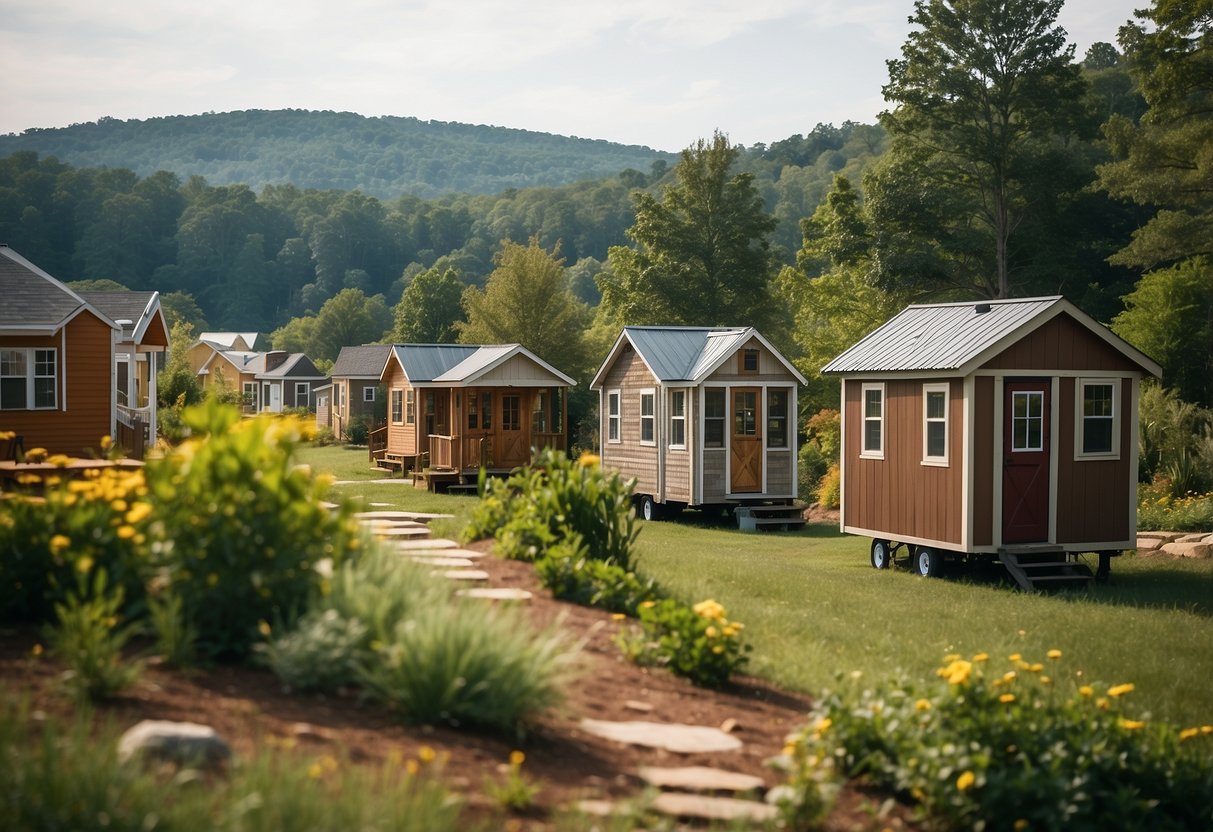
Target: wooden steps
[
  {"x": 784, "y": 517},
  {"x": 1036, "y": 568}
]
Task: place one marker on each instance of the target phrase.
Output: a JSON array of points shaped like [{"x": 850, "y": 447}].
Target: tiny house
[
  {"x": 702, "y": 417},
  {"x": 1002, "y": 429}
]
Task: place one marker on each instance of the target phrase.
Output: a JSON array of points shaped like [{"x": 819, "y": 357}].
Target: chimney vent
[{"x": 982, "y": 308}]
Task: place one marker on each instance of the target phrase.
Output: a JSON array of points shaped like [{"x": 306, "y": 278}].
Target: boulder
[
  {"x": 1148, "y": 544},
  {"x": 1199, "y": 537},
  {"x": 178, "y": 743},
  {"x": 1165, "y": 537},
  {"x": 1189, "y": 550}
]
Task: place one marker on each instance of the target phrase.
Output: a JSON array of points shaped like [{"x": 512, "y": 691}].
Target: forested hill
[{"x": 385, "y": 156}]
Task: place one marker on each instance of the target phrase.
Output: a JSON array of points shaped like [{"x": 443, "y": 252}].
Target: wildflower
[
  {"x": 517, "y": 758},
  {"x": 618, "y": 616},
  {"x": 36, "y": 651},
  {"x": 315, "y": 771},
  {"x": 709, "y": 609},
  {"x": 1007, "y": 698},
  {"x": 822, "y": 725},
  {"x": 711, "y": 632},
  {"x": 35, "y": 454},
  {"x": 1185, "y": 734},
  {"x": 589, "y": 460},
  {"x": 60, "y": 542},
  {"x": 1036, "y": 667},
  {"x": 107, "y": 442},
  {"x": 1121, "y": 690},
  {"x": 981, "y": 657},
  {"x": 426, "y": 754},
  {"x": 1021, "y": 824},
  {"x": 1054, "y": 654},
  {"x": 789, "y": 749},
  {"x": 411, "y": 767},
  {"x": 126, "y": 532},
  {"x": 1045, "y": 680},
  {"x": 718, "y": 649},
  {"x": 1102, "y": 703},
  {"x": 1009, "y": 676},
  {"x": 84, "y": 565},
  {"x": 645, "y": 605},
  {"x": 263, "y": 627},
  {"x": 1206, "y": 729},
  {"x": 1131, "y": 724},
  {"x": 922, "y": 705},
  {"x": 138, "y": 512},
  {"x": 957, "y": 673},
  {"x": 59, "y": 460},
  {"x": 1086, "y": 691},
  {"x": 965, "y": 781},
  {"x": 1014, "y": 657}
]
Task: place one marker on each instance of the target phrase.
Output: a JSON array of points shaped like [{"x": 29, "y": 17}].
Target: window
[
  {"x": 612, "y": 429},
  {"x": 648, "y": 418},
  {"x": 368, "y": 394},
  {"x": 873, "y": 421},
  {"x": 397, "y": 407},
  {"x": 303, "y": 392},
  {"x": 713, "y": 417},
  {"x": 749, "y": 361},
  {"x": 250, "y": 395},
  {"x": 511, "y": 412},
  {"x": 1097, "y": 419},
  {"x": 486, "y": 411},
  {"x": 539, "y": 413},
  {"x": 745, "y": 413},
  {"x": 473, "y": 411},
  {"x": 678, "y": 418},
  {"x": 1027, "y": 420},
  {"x": 935, "y": 424},
  {"x": 777, "y": 418},
  {"x": 410, "y": 406},
  {"x": 28, "y": 379}
]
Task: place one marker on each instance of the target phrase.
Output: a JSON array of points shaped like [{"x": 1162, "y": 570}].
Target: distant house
[
  {"x": 270, "y": 381},
  {"x": 60, "y": 359},
  {"x": 323, "y": 396},
  {"x": 463, "y": 406},
  {"x": 1005, "y": 428},
  {"x": 699, "y": 416},
  {"x": 355, "y": 393}
]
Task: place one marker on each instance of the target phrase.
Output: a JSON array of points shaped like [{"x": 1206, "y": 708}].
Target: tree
[
  {"x": 349, "y": 318},
  {"x": 296, "y": 335},
  {"x": 1166, "y": 161},
  {"x": 177, "y": 381},
  {"x": 526, "y": 300},
  {"x": 702, "y": 253},
  {"x": 429, "y": 309},
  {"x": 180, "y": 306},
  {"x": 983, "y": 93}
]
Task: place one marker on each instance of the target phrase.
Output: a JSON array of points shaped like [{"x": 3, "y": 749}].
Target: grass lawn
[{"x": 814, "y": 608}]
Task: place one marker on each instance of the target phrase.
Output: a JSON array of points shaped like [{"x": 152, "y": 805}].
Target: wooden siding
[
  {"x": 519, "y": 371},
  {"x": 631, "y": 459},
  {"x": 155, "y": 335},
  {"x": 713, "y": 475},
  {"x": 83, "y": 414},
  {"x": 898, "y": 496},
  {"x": 678, "y": 462},
  {"x": 779, "y": 472},
  {"x": 1092, "y": 494},
  {"x": 983, "y": 461},
  {"x": 770, "y": 368},
  {"x": 401, "y": 439},
  {"x": 1061, "y": 344}
]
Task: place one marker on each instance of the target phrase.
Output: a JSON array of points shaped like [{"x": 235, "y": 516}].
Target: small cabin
[
  {"x": 455, "y": 408},
  {"x": 700, "y": 416},
  {"x": 355, "y": 388},
  {"x": 1000, "y": 429}
]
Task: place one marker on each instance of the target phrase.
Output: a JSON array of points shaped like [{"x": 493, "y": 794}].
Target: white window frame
[
  {"x": 31, "y": 375},
  {"x": 251, "y": 390},
  {"x": 649, "y": 393},
  {"x": 368, "y": 394},
  {"x": 396, "y": 400},
  {"x": 306, "y": 387},
  {"x": 786, "y": 418},
  {"x": 410, "y": 406},
  {"x": 864, "y": 451},
  {"x": 614, "y": 416},
  {"x": 928, "y": 420},
  {"x": 722, "y": 419},
  {"x": 1028, "y": 395},
  {"x": 1080, "y": 418},
  {"x": 680, "y": 421}
]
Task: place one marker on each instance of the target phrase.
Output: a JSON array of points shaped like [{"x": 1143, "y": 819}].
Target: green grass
[{"x": 342, "y": 461}]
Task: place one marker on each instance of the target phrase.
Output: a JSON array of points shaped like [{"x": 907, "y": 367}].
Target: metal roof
[
  {"x": 425, "y": 362},
  {"x": 944, "y": 336},
  {"x": 355, "y": 362},
  {"x": 687, "y": 353}
]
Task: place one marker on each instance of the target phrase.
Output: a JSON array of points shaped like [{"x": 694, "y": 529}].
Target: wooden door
[
  {"x": 745, "y": 447},
  {"x": 1025, "y": 470},
  {"x": 514, "y": 449}
]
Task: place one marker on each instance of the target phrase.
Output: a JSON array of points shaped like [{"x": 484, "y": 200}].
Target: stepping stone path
[
  {"x": 406, "y": 533},
  {"x": 465, "y": 575},
  {"x": 422, "y": 545},
  {"x": 680, "y": 739},
  {"x": 419, "y": 516},
  {"x": 496, "y": 593},
  {"x": 700, "y": 779},
  {"x": 450, "y": 563},
  {"x": 703, "y": 807}
]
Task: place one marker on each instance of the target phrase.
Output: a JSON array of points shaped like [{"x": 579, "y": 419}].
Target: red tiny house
[{"x": 1004, "y": 428}]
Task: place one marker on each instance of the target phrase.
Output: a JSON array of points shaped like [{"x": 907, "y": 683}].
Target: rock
[
  {"x": 635, "y": 705},
  {"x": 472, "y": 575},
  {"x": 596, "y": 808},
  {"x": 470, "y": 554},
  {"x": 729, "y": 725},
  {"x": 1148, "y": 544},
  {"x": 400, "y": 515},
  {"x": 496, "y": 593},
  {"x": 700, "y": 779},
  {"x": 180, "y": 743},
  {"x": 1199, "y": 537},
  {"x": 423, "y": 545},
  {"x": 1189, "y": 550},
  {"x": 1208, "y": 538},
  {"x": 1165, "y": 537},
  {"x": 712, "y": 808},
  {"x": 396, "y": 532},
  {"x": 449, "y": 563},
  {"x": 304, "y": 731},
  {"x": 680, "y": 739}
]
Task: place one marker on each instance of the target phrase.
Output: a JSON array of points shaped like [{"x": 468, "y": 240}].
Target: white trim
[
  {"x": 788, "y": 419},
  {"x": 896, "y": 538},
  {"x": 927, "y": 389},
  {"x": 113, "y": 378},
  {"x": 724, "y": 420},
  {"x": 864, "y": 452},
  {"x": 842, "y": 455},
  {"x": 640, "y": 396},
  {"x": 617, "y": 392},
  {"x": 671, "y": 393},
  {"x": 968, "y": 475},
  {"x": 307, "y": 393},
  {"x": 1080, "y": 419},
  {"x": 1054, "y": 426},
  {"x": 30, "y": 356},
  {"x": 394, "y": 395},
  {"x": 368, "y": 398},
  {"x": 1134, "y": 428}
]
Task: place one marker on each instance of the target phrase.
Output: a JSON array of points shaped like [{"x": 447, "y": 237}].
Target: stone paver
[
  {"x": 182, "y": 743},
  {"x": 680, "y": 739},
  {"x": 400, "y": 515},
  {"x": 470, "y": 554},
  {"x": 423, "y": 545},
  {"x": 448, "y": 563},
  {"x": 469, "y": 575},
  {"x": 496, "y": 593},
  {"x": 395, "y": 531},
  {"x": 1148, "y": 544},
  {"x": 1189, "y": 550},
  {"x": 700, "y": 779},
  {"x": 703, "y": 807}
]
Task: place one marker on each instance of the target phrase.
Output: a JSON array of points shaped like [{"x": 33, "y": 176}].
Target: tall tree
[
  {"x": 702, "y": 253},
  {"x": 349, "y": 318},
  {"x": 526, "y": 300},
  {"x": 429, "y": 309},
  {"x": 982, "y": 93}
]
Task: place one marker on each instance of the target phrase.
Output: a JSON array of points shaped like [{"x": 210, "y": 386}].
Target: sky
[{"x": 659, "y": 73}]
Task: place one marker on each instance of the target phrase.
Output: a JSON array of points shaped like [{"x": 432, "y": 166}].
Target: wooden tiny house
[
  {"x": 455, "y": 408},
  {"x": 1004, "y": 428},
  {"x": 700, "y": 416}
]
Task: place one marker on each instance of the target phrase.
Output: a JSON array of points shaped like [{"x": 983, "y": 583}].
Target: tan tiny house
[
  {"x": 702, "y": 417},
  {"x": 455, "y": 408},
  {"x": 1003, "y": 428}
]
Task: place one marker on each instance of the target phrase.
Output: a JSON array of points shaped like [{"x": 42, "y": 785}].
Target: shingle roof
[
  {"x": 355, "y": 362},
  {"x": 121, "y": 306},
  {"x": 296, "y": 365},
  {"x": 32, "y": 298},
  {"x": 688, "y": 353}
]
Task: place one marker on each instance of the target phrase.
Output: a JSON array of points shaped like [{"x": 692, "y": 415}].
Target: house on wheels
[
  {"x": 702, "y": 417},
  {"x": 1003, "y": 429},
  {"x": 456, "y": 408}
]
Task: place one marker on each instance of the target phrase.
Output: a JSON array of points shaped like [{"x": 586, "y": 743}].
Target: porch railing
[
  {"x": 134, "y": 430},
  {"x": 442, "y": 451},
  {"x": 548, "y": 440},
  {"x": 376, "y": 442}
]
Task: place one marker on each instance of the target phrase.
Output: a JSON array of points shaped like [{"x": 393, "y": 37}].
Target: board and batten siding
[
  {"x": 900, "y": 496},
  {"x": 83, "y": 414},
  {"x": 631, "y": 459},
  {"x": 982, "y": 506},
  {"x": 1061, "y": 344},
  {"x": 1092, "y": 493}
]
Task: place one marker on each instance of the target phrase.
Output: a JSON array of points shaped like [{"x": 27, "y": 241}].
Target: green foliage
[
  {"x": 429, "y": 309},
  {"x": 1027, "y": 747},
  {"x": 1159, "y": 509},
  {"x": 88, "y": 637},
  {"x": 698, "y": 642},
  {"x": 516, "y": 792},
  {"x": 320, "y": 653},
  {"x": 829, "y": 487},
  {"x": 572, "y": 575},
  {"x": 238, "y": 530},
  {"x": 1175, "y": 441},
  {"x": 177, "y": 384},
  {"x": 554, "y": 499},
  {"x": 175, "y": 635}
]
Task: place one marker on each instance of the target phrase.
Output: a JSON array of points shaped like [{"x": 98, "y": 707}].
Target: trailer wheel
[
  {"x": 882, "y": 555},
  {"x": 649, "y": 510},
  {"x": 928, "y": 562}
]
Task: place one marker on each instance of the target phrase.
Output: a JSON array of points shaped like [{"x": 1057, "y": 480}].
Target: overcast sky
[{"x": 660, "y": 73}]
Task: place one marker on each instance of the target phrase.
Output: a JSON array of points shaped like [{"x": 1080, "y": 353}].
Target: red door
[{"x": 1025, "y": 467}]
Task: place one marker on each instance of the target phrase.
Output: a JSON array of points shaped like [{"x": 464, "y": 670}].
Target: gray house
[{"x": 356, "y": 387}]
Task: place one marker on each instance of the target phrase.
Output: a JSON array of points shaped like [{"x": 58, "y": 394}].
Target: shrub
[
  {"x": 697, "y": 642},
  {"x": 175, "y": 636},
  {"x": 571, "y": 575},
  {"x": 88, "y": 638},
  {"x": 1021, "y": 748},
  {"x": 357, "y": 431},
  {"x": 321, "y": 653},
  {"x": 829, "y": 490},
  {"x": 1158, "y": 510}
]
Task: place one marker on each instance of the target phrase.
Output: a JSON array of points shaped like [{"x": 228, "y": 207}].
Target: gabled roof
[
  {"x": 228, "y": 340},
  {"x": 296, "y": 365},
  {"x": 35, "y": 302},
  {"x": 686, "y": 353},
  {"x": 243, "y": 361},
  {"x": 457, "y": 364},
  {"x": 957, "y": 338},
  {"x": 361, "y": 362},
  {"x": 138, "y": 308}
]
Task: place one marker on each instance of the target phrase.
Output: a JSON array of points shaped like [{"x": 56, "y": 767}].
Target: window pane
[
  {"x": 1019, "y": 435},
  {"x": 677, "y": 432},
  {"x": 1097, "y": 400},
  {"x": 872, "y": 403},
  {"x": 935, "y": 404},
  {"x": 678, "y": 403},
  {"x": 1020, "y": 405},
  {"x": 12, "y": 363},
  {"x": 12, "y": 393},
  {"x": 871, "y": 435},
  {"x": 713, "y": 403},
  {"x": 1034, "y": 430},
  {"x": 613, "y": 404},
  {"x": 713, "y": 433},
  {"x": 646, "y": 404},
  {"x": 936, "y": 433},
  {"x": 1097, "y": 436}
]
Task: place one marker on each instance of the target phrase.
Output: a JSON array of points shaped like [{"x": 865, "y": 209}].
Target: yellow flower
[
  {"x": 647, "y": 604},
  {"x": 1054, "y": 654},
  {"x": 1086, "y": 691},
  {"x": 1131, "y": 724},
  {"x": 1007, "y": 698},
  {"x": 1020, "y": 825},
  {"x": 314, "y": 771},
  {"x": 107, "y": 442},
  {"x": 84, "y": 565},
  {"x": 138, "y": 512},
  {"x": 426, "y": 754},
  {"x": 822, "y": 725},
  {"x": 589, "y": 460},
  {"x": 8, "y": 434},
  {"x": 1185, "y": 734},
  {"x": 126, "y": 532},
  {"x": 958, "y": 672},
  {"x": 1102, "y": 703},
  {"x": 263, "y": 627},
  {"x": 60, "y": 542},
  {"x": 965, "y": 781},
  {"x": 36, "y": 650},
  {"x": 517, "y": 758},
  {"x": 411, "y": 767},
  {"x": 718, "y": 649},
  {"x": 1045, "y": 680},
  {"x": 981, "y": 657},
  {"x": 35, "y": 454},
  {"x": 1014, "y": 657},
  {"x": 1121, "y": 690},
  {"x": 922, "y": 705},
  {"x": 1206, "y": 729},
  {"x": 59, "y": 460},
  {"x": 1009, "y": 676},
  {"x": 711, "y": 632},
  {"x": 709, "y": 609},
  {"x": 618, "y": 616}
]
